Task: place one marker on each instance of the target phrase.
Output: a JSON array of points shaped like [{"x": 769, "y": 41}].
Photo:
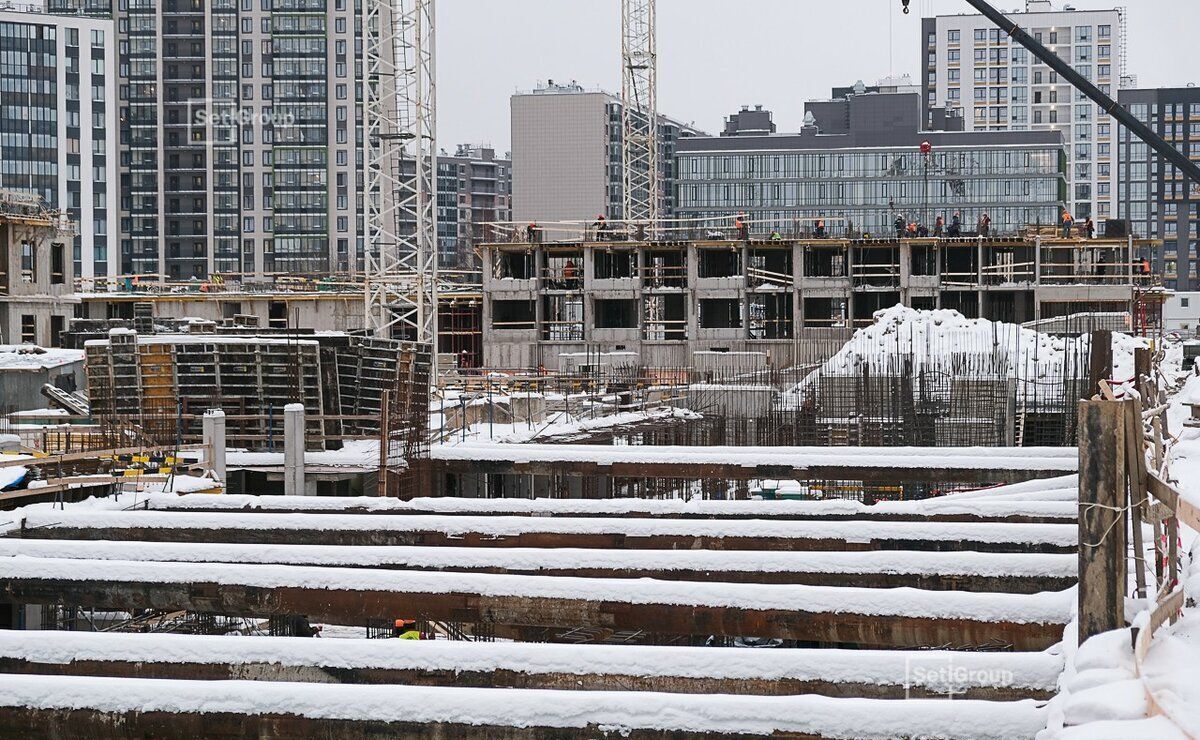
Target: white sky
[{"x": 717, "y": 55}]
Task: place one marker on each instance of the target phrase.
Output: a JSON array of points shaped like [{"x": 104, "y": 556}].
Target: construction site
[{"x": 643, "y": 478}]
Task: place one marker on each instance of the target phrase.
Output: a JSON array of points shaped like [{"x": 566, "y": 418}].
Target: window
[
  {"x": 1183, "y": 302},
  {"x": 28, "y": 329},
  {"x": 981, "y": 34},
  {"x": 1104, "y": 32},
  {"x": 953, "y": 35},
  {"x": 28, "y": 262}
]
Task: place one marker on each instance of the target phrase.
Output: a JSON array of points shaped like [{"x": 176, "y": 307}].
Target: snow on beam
[
  {"x": 966, "y": 571},
  {"x": 522, "y": 531},
  {"x": 935, "y": 509},
  {"x": 901, "y": 617},
  {"x": 122, "y": 707},
  {"x": 880, "y": 674},
  {"x": 868, "y": 464}
]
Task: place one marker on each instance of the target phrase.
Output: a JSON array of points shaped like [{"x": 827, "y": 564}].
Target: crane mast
[
  {"x": 400, "y": 158},
  {"x": 640, "y": 181}
]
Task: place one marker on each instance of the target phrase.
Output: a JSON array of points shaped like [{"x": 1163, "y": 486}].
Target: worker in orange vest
[
  {"x": 1067, "y": 222},
  {"x": 739, "y": 223}
]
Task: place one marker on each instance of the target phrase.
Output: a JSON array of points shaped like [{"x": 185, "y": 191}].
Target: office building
[
  {"x": 1154, "y": 197},
  {"x": 566, "y": 154},
  {"x": 857, "y": 164},
  {"x": 973, "y": 66},
  {"x": 239, "y": 135},
  {"x": 58, "y": 125}
]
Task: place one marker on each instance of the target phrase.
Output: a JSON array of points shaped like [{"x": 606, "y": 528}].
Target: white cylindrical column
[
  {"x": 214, "y": 440},
  {"x": 293, "y": 449}
]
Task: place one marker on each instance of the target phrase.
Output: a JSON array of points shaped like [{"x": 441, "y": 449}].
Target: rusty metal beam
[
  {"x": 618, "y": 534},
  {"x": 936, "y": 510},
  {"x": 977, "y": 474},
  {"x": 615, "y": 541},
  {"x": 25, "y": 722},
  {"x": 357, "y": 606}
]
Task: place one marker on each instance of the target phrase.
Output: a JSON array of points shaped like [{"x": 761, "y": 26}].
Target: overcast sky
[{"x": 717, "y": 55}]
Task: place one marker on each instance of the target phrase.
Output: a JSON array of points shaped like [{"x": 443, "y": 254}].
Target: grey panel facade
[{"x": 1152, "y": 194}]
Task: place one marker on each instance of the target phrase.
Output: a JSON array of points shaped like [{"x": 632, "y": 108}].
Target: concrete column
[
  {"x": 293, "y": 449},
  {"x": 214, "y": 439}
]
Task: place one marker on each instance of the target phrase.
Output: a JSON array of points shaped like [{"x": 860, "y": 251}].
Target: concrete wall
[{"x": 320, "y": 311}]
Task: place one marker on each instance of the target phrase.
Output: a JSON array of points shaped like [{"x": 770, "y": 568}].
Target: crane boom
[{"x": 1189, "y": 168}]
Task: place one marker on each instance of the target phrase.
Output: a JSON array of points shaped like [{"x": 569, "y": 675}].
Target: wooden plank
[{"x": 1102, "y": 564}]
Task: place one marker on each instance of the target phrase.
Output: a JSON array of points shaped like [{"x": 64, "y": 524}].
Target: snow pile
[
  {"x": 621, "y": 563},
  {"x": 31, "y": 357},
  {"x": 1045, "y": 608},
  {"x": 941, "y": 671},
  {"x": 560, "y": 425},
  {"x": 588, "y": 713},
  {"x": 939, "y": 340}
]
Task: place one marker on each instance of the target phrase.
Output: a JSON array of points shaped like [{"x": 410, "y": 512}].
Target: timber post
[{"x": 1102, "y": 481}]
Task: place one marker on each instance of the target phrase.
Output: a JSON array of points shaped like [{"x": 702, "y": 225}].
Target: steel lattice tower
[
  {"x": 400, "y": 154},
  {"x": 641, "y": 189}
]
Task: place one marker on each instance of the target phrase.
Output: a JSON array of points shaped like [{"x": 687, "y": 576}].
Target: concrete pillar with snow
[
  {"x": 214, "y": 441},
  {"x": 293, "y": 449}
]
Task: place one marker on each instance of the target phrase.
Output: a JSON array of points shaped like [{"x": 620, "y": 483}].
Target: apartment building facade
[
  {"x": 58, "y": 125},
  {"x": 972, "y": 65},
  {"x": 474, "y": 191},
  {"x": 1158, "y": 202},
  {"x": 240, "y": 128},
  {"x": 566, "y": 154},
  {"x": 857, "y": 164}
]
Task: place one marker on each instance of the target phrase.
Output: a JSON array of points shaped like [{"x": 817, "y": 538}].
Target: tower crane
[
  {"x": 640, "y": 180},
  {"x": 400, "y": 153}
]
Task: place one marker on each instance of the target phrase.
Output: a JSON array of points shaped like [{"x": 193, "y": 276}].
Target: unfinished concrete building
[
  {"x": 797, "y": 300},
  {"x": 36, "y": 272}
]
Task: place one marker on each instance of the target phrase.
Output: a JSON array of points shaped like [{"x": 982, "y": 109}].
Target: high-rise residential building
[
  {"x": 857, "y": 164},
  {"x": 58, "y": 125},
  {"x": 1153, "y": 195},
  {"x": 240, "y": 127},
  {"x": 474, "y": 190},
  {"x": 972, "y": 65},
  {"x": 566, "y": 154}
]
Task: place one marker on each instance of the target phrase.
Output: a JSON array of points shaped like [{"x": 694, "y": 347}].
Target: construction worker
[
  {"x": 955, "y": 229},
  {"x": 1089, "y": 228},
  {"x": 985, "y": 224},
  {"x": 739, "y": 224},
  {"x": 531, "y": 233},
  {"x": 1067, "y": 223},
  {"x": 939, "y": 225},
  {"x": 406, "y": 629},
  {"x": 776, "y": 236},
  {"x": 911, "y": 230},
  {"x": 900, "y": 225},
  {"x": 569, "y": 271},
  {"x": 601, "y": 227},
  {"x": 1145, "y": 266},
  {"x": 820, "y": 228}
]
